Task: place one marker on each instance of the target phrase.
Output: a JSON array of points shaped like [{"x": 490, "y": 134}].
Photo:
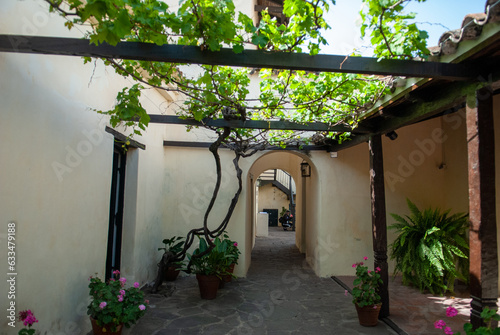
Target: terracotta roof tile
[{"x": 471, "y": 29}]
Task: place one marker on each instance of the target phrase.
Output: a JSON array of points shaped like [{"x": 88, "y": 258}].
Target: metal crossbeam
[
  {"x": 248, "y": 58},
  {"x": 257, "y": 124}
]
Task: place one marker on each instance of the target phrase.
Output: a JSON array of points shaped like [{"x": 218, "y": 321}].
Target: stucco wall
[
  {"x": 272, "y": 198},
  {"x": 56, "y": 176}
]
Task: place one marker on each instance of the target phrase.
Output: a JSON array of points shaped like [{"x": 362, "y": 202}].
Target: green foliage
[
  {"x": 213, "y": 24},
  {"x": 487, "y": 315},
  {"x": 366, "y": 284},
  {"x": 112, "y": 304},
  {"x": 391, "y": 34},
  {"x": 210, "y": 260},
  {"x": 431, "y": 249},
  {"x": 174, "y": 244}
]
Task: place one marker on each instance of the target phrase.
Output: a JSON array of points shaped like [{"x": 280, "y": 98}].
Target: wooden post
[
  {"x": 483, "y": 231},
  {"x": 379, "y": 225}
]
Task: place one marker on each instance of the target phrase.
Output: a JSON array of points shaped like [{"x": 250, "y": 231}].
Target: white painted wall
[{"x": 56, "y": 176}]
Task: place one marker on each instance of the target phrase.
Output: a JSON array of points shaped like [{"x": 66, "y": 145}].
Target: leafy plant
[
  {"x": 365, "y": 291},
  {"x": 488, "y": 315},
  {"x": 112, "y": 304},
  {"x": 208, "y": 260},
  {"x": 431, "y": 250},
  {"x": 232, "y": 249},
  {"x": 175, "y": 245}
]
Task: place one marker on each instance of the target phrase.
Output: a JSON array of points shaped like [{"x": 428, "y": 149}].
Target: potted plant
[
  {"x": 364, "y": 294},
  {"x": 233, "y": 255},
  {"x": 173, "y": 245},
  {"x": 209, "y": 264},
  {"x": 113, "y": 306}
]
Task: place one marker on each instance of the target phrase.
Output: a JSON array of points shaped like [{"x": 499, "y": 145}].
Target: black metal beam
[
  {"x": 248, "y": 58},
  {"x": 256, "y": 124},
  {"x": 187, "y": 144}
]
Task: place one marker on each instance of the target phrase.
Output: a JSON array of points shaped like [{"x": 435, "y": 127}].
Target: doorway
[
  {"x": 273, "y": 216},
  {"x": 113, "y": 255}
]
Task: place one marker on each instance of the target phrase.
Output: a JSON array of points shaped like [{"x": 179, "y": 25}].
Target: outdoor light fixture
[
  {"x": 392, "y": 135},
  {"x": 305, "y": 169}
]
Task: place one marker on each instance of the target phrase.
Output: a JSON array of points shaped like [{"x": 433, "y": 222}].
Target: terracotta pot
[
  {"x": 105, "y": 330},
  {"x": 368, "y": 315},
  {"x": 208, "y": 284},
  {"x": 227, "y": 278},
  {"x": 171, "y": 273}
]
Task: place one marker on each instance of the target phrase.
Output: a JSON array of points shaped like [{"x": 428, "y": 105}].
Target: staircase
[{"x": 279, "y": 179}]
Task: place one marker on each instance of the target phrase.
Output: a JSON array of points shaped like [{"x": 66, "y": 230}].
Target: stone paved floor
[{"x": 280, "y": 295}]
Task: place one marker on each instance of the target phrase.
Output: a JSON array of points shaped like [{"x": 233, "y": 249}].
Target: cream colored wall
[
  {"x": 189, "y": 182},
  {"x": 272, "y": 197},
  {"x": 56, "y": 176}
]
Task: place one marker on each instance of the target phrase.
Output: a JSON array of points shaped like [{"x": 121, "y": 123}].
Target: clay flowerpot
[
  {"x": 104, "y": 330},
  {"x": 171, "y": 273},
  {"x": 368, "y": 315},
  {"x": 227, "y": 278},
  {"x": 208, "y": 284}
]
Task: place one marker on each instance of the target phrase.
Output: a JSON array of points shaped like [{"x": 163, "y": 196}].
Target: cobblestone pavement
[{"x": 280, "y": 295}]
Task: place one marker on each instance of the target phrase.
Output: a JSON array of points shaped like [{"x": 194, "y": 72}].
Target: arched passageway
[{"x": 305, "y": 204}]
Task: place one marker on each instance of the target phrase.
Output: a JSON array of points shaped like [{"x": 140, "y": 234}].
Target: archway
[{"x": 305, "y": 201}]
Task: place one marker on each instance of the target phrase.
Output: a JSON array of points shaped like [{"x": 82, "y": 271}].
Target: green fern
[{"x": 431, "y": 250}]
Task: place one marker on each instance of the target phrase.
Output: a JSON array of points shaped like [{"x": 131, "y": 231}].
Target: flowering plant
[
  {"x": 366, "y": 285},
  {"x": 232, "y": 249},
  {"x": 487, "y": 315},
  {"x": 112, "y": 304},
  {"x": 28, "y": 319}
]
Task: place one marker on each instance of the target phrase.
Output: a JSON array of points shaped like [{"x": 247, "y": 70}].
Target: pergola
[{"x": 469, "y": 79}]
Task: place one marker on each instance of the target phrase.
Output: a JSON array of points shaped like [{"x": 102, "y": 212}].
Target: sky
[{"x": 444, "y": 15}]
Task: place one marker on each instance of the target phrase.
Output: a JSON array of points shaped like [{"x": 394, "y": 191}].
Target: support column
[
  {"x": 379, "y": 225},
  {"x": 483, "y": 232}
]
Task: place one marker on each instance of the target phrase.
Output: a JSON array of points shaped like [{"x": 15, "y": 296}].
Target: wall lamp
[
  {"x": 392, "y": 135},
  {"x": 305, "y": 169}
]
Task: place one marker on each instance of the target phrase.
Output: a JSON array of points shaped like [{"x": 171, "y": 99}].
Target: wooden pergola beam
[
  {"x": 248, "y": 58},
  {"x": 379, "y": 222},
  {"x": 483, "y": 258},
  {"x": 449, "y": 96},
  {"x": 256, "y": 124}
]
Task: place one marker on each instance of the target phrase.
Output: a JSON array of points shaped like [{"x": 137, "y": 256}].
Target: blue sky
[{"x": 443, "y": 14}]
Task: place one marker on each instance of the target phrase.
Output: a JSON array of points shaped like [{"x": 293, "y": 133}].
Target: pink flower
[
  {"x": 142, "y": 307},
  {"x": 354, "y": 265},
  {"x": 120, "y": 298},
  {"x": 24, "y": 314},
  {"x": 136, "y": 285},
  {"x": 122, "y": 292},
  {"x": 112, "y": 279},
  {"x": 116, "y": 272},
  {"x": 102, "y": 304},
  {"x": 377, "y": 269},
  {"x": 369, "y": 271},
  {"x": 235, "y": 244},
  {"x": 27, "y": 317},
  {"x": 147, "y": 302},
  {"x": 448, "y": 331},
  {"x": 361, "y": 263},
  {"x": 451, "y": 312},
  {"x": 439, "y": 324},
  {"x": 365, "y": 258},
  {"x": 345, "y": 293},
  {"x": 30, "y": 320},
  {"x": 123, "y": 280}
]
